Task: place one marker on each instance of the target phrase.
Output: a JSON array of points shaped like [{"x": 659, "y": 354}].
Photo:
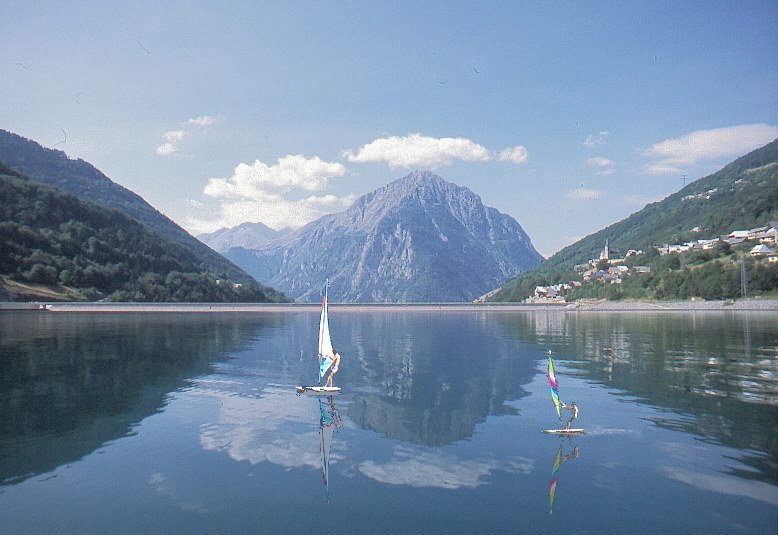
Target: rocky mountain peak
[{"x": 418, "y": 238}]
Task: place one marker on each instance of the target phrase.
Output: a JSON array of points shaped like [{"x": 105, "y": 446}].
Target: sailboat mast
[{"x": 325, "y": 343}]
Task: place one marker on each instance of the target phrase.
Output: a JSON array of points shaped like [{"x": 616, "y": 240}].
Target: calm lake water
[{"x": 166, "y": 423}]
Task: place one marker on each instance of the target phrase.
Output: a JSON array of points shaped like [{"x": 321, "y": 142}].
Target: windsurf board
[{"x": 318, "y": 390}]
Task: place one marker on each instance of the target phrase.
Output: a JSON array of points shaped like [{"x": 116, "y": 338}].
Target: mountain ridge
[
  {"x": 248, "y": 235},
  {"x": 76, "y": 176},
  {"x": 418, "y": 238}
]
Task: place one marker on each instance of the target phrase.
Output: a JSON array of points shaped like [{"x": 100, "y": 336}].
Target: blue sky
[{"x": 568, "y": 117}]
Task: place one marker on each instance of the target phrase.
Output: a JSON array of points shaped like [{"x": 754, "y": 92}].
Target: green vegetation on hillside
[
  {"x": 54, "y": 168},
  {"x": 742, "y": 195},
  {"x": 712, "y": 274},
  {"x": 50, "y": 237}
]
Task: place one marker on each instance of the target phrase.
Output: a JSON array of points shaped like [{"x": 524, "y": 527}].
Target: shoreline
[{"x": 770, "y": 305}]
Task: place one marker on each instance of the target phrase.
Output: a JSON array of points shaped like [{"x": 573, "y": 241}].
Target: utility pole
[{"x": 743, "y": 277}]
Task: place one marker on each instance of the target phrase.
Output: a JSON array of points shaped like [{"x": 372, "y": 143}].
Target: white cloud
[
  {"x": 415, "y": 150},
  {"x": 674, "y": 154},
  {"x": 516, "y": 154},
  {"x": 258, "y": 180},
  {"x": 171, "y": 140},
  {"x": 257, "y": 430},
  {"x": 274, "y": 194},
  {"x": 202, "y": 120},
  {"x": 724, "y": 484},
  {"x": 604, "y": 165},
  {"x": 581, "y": 194},
  {"x": 596, "y": 140},
  {"x": 166, "y": 149},
  {"x": 415, "y": 467},
  {"x": 274, "y": 211}
]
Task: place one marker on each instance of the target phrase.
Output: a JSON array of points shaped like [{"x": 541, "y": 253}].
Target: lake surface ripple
[{"x": 189, "y": 423}]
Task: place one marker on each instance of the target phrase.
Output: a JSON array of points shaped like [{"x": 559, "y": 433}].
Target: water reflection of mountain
[
  {"x": 435, "y": 374},
  {"x": 70, "y": 383},
  {"x": 719, "y": 368}
]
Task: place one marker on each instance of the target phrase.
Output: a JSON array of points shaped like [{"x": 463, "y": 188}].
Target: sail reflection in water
[
  {"x": 560, "y": 458},
  {"x": 329, "y": 420}
]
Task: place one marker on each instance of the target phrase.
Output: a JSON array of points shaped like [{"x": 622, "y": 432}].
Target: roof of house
[{"x": 761, "y": 248}]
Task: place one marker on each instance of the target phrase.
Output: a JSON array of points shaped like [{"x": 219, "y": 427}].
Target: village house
[
  {"x": 707, "y": 245},
  {"x": 741, "y": 234},
  {"x": 609, "y": 276},
  {"x": 766, "y": 235},
  {"x": 762, "y": 250}
]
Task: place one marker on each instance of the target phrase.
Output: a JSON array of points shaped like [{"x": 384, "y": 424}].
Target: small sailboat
[
  {"x": 554, "y": 386},
  {"x": 326, "y": 354}
]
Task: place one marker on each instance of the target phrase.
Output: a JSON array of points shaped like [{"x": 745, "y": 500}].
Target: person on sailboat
[
  {"x": 333, "y": 366},
  {"x": 573, "y": 408}
]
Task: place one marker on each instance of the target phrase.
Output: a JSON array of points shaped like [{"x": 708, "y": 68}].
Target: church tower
[{"x": 605, "y": 254}]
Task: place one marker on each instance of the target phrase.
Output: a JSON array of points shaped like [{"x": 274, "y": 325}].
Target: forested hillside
[
  {"x": 52, "y": 238},
  {"x": 742, "y": 195},
  {"x": 83, "y": 180}
]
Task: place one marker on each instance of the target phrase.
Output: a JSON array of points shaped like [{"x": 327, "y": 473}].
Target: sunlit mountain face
[{"x": 417, "y": 239}]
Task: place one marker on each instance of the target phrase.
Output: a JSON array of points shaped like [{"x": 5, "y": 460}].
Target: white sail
[{"x": 325, "y": 344}]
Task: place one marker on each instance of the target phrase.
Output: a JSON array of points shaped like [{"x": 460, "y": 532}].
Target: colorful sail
[
  {"x": 552, "y": 493},
  {"x": 552, "y": 485},
  {"x": 552, "y": 383},
  {"x": 557, "y": 461},
  {"x": 325, "y": 343},
  {"x": 554, "y": 480}
]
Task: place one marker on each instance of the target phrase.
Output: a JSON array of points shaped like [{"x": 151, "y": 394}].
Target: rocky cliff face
[{"x": 417, "y": 239}]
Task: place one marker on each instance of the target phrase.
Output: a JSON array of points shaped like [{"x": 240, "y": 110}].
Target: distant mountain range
[
  {"x": 417, "y": 239},
  {"x": 742, "y": 195},
  {"x": 246, "y": 235},
  {"x": 83, "y": 180}
]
